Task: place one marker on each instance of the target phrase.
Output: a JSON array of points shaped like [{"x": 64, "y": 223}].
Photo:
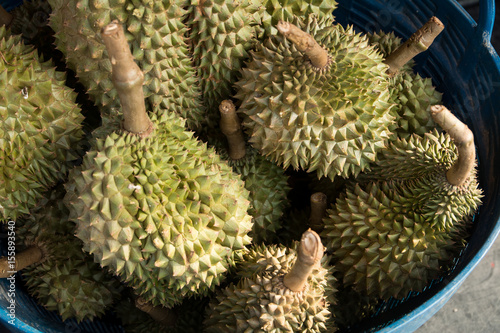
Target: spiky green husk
[
  {"x": 301, "y": 117},
  {"x": 40, "y": 129},
  {"x": 381, "y": 244},
  {"x": 268, "y": 187},
  {"x": 275, "y": 258},
  {"x": 189, "y": 318},
  {"x": 162, "y": 212},
  {"x": 387, "y": 43},
  {"x": 422, "y": 161},
  {"x": 67, "y": 280},
  {"x": 221, "y": 33},
  {"x": 261, "y": 303},
  {"x": 156, "y": 33},
  {"x": 73, "y": 285},
  {"x": 412, "y": 94},
  {"x": 271, "y": 12}
]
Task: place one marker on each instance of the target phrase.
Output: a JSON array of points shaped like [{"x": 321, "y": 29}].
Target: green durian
[
  {"x": 156, "y": 33},
  {"x": 40, "y": 128},
  {"x": 266, "y": 182},
  {"x": 154, "y": 204},
  {"x": 394, "y": 234},
  {"x": 273, "y": 11},
  {"x": 332, "y": 117},
  {"x": 284, "y": 292},
  {"x": 221, "y": 33},
  {"x": 58, "y": 274},
  {"x": 422, "y": 163},
  {"x": 412, "y": 94}
]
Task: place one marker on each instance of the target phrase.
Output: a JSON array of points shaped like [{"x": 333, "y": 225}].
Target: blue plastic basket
[{"x": 466, "y": 68}]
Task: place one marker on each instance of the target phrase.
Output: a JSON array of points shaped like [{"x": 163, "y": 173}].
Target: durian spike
[
  {"x": 309, "y": 255},
  {"x": 128, "y": 79},
  {"x": 420, "y": 41},
  {"x": 318, "y": 210},
  {"x": 463, "y": 137},
  {"x": 230, "y": 126},
  {"x": 30, "y": 256},
  {"x": 304, "y": 42},
  {"x": 5, "y": 17},
  {"x": 161, "y": 315}
]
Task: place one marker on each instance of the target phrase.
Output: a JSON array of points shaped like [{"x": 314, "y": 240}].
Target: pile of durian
[{"x": 224, "y": 166}]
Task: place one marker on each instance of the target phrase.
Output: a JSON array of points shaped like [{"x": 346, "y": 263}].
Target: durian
[
  {"x": 266, "y": 182},
  {"x": 40, "y": 127},
  {"x": 280, "y": 291},
  {"x": 221, "y": 33},
  {"x": 271, "y": 12},
  {"x": 317, "y": 99},
  {"x": 156, "y": 32},
  {"x": 55, "y": 269},
  {"x": 412, "y": 94},
  {"x": 154, "y": 204},
  {"x": 394, "y": 234}
]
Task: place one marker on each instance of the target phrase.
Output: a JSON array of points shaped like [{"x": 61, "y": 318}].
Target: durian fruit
[
  {"x": 56, "y": 271},
  {"x": 221, "y": 33},
  {"x": 393, "y": 235},
  {"x": 317, "y": 99},
  {"x": 152, "y": 203},
  {"x": 412, "y": 94},
  {"x": 266, "y": 182},
  {"x": 40, "y": 127},
  {"x": 140, "y": 317},
  {"x": 156, "y": 33},
  {"x": 280, "y": 291},
  {"x": 441, "y": 188},
  {"x": 271, "y": 12}
]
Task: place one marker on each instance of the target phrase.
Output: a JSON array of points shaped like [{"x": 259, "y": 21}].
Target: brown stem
[
  {"x": 163, "y": 316},
  {"x": 464, "y": 140},
  {"x": 318, "y": 209},
  {"x": 230, "y": 126},
  {"x": 5, "y": 17},
  {"x": 309, "y": 256},
  {"x": 30, "y": 256},
  {"x": 417, "y": 43},
  {"x": 304, "y": 42},
  {"x": 128, "y": 79}
]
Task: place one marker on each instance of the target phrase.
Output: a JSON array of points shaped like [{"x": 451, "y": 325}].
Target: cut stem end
[
  {"x": 309, "y": 255},
  {"x": 463, "y": 137}
]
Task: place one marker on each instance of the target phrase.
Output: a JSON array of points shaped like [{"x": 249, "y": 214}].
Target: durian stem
[
  {"x": 420, "y": 41},
  {"x": 128, "y": 79},
  {"x": 230, "y": 126},
  {"x": 161, "y": 315},
  {"x": 304, "y": 42},
  {"x": 30, "y": 256},
  {"x": 463, "y": 137},
  {"x": 309, "y": 255},
  {"x": 318, "y": 209},
  {"x": 5, "y": 17}
]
